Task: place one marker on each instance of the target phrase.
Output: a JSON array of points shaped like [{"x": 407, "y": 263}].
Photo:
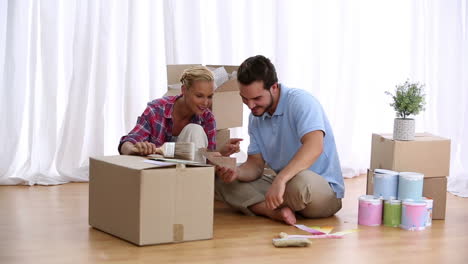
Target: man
[{"x": 290, "y": 132}]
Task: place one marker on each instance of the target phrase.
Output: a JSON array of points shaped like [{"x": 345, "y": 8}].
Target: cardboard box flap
[
  {"x": 138, "y": 162},
  {"x": 172, "y": 92},
  {"x": 174, "y": 72},
  {"x": 181, "y": 164},
  {"x": 229, "y": 69},
  {"x": 228, "y": 86},
  {"x": 381, "y": 157},
  {"x": 129, "y": 161}
]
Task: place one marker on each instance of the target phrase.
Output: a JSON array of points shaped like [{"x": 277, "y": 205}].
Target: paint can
[
  {"x": 370, "y": 210},
  {"x": 410, "y": 186},
  {"x": 413, "y": 215},
  {"x": 385, "y": 184},
  {"x": 429, "y": 206},
  {"x": 392, "y": 213}
]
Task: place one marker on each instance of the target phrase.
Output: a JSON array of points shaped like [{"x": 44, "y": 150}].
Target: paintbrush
[{"x": 179, "y": 150}]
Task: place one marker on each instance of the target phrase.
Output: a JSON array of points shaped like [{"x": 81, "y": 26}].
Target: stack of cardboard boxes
[
  {"x": 148, "y": 204},
  {"x": 427, "y": 154}
]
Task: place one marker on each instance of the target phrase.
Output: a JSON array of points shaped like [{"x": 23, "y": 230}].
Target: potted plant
[{"x": 407, "y": 100}]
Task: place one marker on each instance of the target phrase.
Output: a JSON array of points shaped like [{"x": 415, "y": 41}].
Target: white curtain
[
  {"x": 76, "y": 74},
  {"x": 74, "y": 77}
]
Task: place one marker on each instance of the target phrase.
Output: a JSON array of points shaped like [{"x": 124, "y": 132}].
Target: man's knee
[
  {"x": 311, "y": 195},
  {"x": 322, "y": 209},
  {"x": 301, "y": 189},
  {"x": 297, "y": 196}
]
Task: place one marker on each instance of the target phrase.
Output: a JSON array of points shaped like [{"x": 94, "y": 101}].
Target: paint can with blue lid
[
  {"x": 413, "y": 215},
  {"x": 385, "y": 184},
  {"x": 410, "y": 186}
]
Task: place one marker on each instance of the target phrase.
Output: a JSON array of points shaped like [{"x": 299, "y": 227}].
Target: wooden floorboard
[{"x": 43, "y": 224}]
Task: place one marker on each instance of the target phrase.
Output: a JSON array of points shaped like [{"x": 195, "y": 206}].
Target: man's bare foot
[{"x": 284, "y": 214}]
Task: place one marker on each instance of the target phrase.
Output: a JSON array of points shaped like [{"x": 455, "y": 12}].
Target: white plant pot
[{"x": 403, "y": 129}]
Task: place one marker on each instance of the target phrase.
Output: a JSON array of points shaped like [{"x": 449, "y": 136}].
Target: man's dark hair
[{"x": 257, "y": 68}]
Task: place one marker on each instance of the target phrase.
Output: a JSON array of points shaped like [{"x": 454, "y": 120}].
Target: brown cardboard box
[
  {"x": 370, "y": 182},
  {"x": 433, "y": 187},
  {"x": 427, "y": 154},
  {"x": 436, "y": 188},
  {"x": 222, "y": 137},
  {"x": 145, "y": 205},
  {"x": 227, "y": 103}
]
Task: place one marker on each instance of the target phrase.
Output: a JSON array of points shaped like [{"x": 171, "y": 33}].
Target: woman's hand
[
  {"x": 233, "y": 146},
  {"x": 144, "y": 148},
  {"x": 140, "y": 148}
]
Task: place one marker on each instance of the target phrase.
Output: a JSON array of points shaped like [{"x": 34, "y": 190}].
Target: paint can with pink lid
[
  {"x": 413, "y": 215},
  {"x": 370, "y": 210}
]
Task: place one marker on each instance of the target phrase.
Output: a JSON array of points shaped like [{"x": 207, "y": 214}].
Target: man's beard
[{"x": 268, "y": 107}]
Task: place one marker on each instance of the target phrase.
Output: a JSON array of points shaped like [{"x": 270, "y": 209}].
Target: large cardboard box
[
  {"x": 145, "y": 204},
  {"x": 227, "y": 103},
  {"x": 427, "y": 154},
  {"x": 433, "y": 187}
]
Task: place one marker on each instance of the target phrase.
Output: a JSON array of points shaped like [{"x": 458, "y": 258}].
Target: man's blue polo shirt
[{"x": 278, "y": 137}]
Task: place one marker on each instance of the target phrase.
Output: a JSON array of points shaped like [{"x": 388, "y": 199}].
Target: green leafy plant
[{"x": 408, "y": 99}]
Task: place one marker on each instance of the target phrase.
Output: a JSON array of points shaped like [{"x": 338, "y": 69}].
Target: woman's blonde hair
[{"x": 196, "y": 73}]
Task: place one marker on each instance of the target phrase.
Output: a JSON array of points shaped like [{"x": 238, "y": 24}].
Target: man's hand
[
  {"x": 274, "y": 196},
  {"x": 143, "y": 148},
  {"x": 226, "y": 174},
  {"x": 233, "y": 146}
]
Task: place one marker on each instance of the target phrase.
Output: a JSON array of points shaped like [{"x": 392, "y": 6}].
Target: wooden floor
[{"x": 50, "y": 225}]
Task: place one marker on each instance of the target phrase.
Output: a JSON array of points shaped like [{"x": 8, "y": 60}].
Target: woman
[{"x": 184, "y": 118}]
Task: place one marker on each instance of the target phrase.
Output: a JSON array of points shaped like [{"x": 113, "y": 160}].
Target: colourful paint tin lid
[
  {"x": 393, "y": 201},
  {"x": 383, "y": 171},
  {"x": 370, "y": 199},
  {"x": 414, "y": 202},
  {"x": 428, "y": 200},
  {"x": 412, "y": 176}
]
